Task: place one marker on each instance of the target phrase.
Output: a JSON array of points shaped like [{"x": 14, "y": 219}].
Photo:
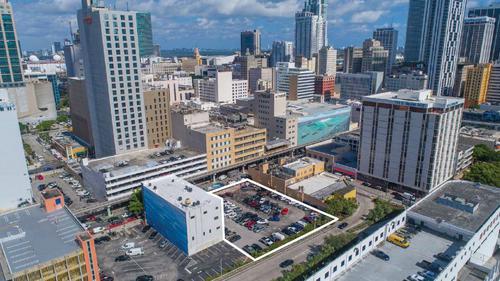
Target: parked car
[
  {"x": 381, "y": 255},
  {"x": 122, "y": 258},
  {"x": 343, "y": 225},
  {"x": 41, "y": 187},
  {"x": 145, "y": 278},
  {"x": 146, "y": 228},
  {"x": 128, "y": 245},
  {"x": 98, "y": 229},
  {"x": 153, "y": 235},
  {"x": 163, "y": 244},
  {"x": 234, "y": 238},
  {"x": 286, "y": 263}
]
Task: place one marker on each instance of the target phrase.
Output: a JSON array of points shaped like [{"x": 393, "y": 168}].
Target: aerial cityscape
[{"x": 286, "y": 140}]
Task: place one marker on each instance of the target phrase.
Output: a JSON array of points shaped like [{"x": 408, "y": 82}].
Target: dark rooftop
[
  {"x": 461, "y": 195},
  {"x": 31, "y": 236}
]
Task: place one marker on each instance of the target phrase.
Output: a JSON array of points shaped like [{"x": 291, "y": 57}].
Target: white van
[
  {"x": 278, "y": 236},
  {"x": 135, "y": 252}
]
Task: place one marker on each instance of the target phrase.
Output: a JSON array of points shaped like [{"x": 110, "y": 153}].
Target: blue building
[{"x": 185, "y": 214}]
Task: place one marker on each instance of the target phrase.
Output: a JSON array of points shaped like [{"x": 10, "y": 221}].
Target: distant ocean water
[{"x": 190, "y": 52}]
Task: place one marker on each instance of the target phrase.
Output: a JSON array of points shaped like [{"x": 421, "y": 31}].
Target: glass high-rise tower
[
  {"x": 434, "y": 32},
  {"x": 11, "y": 74},
  {"x": 145, "y": 34},
  {"x": 311, "y": 28}
]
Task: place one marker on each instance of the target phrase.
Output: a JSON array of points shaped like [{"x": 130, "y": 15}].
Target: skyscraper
[
  {"x": 10, "y": 51},
  {"x": 477, "y": 39},
  {"x": 327, "y": 61},
  {"x": 110, "y": 48},
  {"x": 388, "y": 38},
  {"x": 311, "y": 28},
  {"x": 375, "y": 57},
  {"x": 492, "y": 11},
  {"x": 409, "y": 139},
  {"x": 145, "y": 33},
  {"x": 250, "y": 42},
  {"x": 434, "y": 31},
  {"x": 282, "y": 52},
  {"x": 353, "y": 58}
]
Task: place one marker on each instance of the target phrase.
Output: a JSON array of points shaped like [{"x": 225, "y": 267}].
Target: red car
[
  {"x": 249, "y": 224},
  {"x": 284, "y": 211}
]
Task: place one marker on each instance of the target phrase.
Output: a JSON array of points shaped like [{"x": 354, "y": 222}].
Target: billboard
[{"x": 323, "y": 125}]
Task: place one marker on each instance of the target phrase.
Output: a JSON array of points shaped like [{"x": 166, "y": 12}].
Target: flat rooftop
[
  {"x": 306, "y": 108},
  {"x": 484, "y": 199},
  {"x": 31, "y": 236},
  {"x": 301, "y": 163},
  {"x": 403, "y": 262},
  {"x": 321, "y": 186},
  {"x": 135, "y": 161},
  {"x": 414, "y": 98},
  {"x": 331, "y": 148},
  {"x": 179, "y": 192},
  {"x": 208, "y": 129}
]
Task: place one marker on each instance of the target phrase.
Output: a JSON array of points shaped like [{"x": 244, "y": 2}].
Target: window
[
  {"x": 192, "y": 217},
  {"x": 216, "y": 218}
]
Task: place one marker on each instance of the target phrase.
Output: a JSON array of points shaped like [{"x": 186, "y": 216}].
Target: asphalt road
[{"x": 268, "y": 268}]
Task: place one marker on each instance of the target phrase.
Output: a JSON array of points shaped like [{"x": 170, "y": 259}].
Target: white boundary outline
[{"x": 334, "y": 219}]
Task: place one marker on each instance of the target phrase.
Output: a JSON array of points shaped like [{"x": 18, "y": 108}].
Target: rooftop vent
[
  {"x": 187, "y": 202},
  {"x": 457, "y": 203},
  {"x": 179, "y": 198},
  {"x": 122, "y": 163}
]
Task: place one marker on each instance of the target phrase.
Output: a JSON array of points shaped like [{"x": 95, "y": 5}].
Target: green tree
[
  {"x": 483, "y": 153},
  {"x": 62, "y": 118},
  {"x": 45, "y": 125},
  {"x": 381, "y": 210},
  {"x": 136, "y": 205},
  {"x": 485, "y": 173},
  {"x": 341, "y": 207}
]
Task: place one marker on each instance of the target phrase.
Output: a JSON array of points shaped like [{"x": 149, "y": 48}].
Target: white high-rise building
[
  {"x": 16, "y": 186},
  {"x": 434, "y": 32},
  {"x": 311, "y": 28},
  {"x": 409, "y": 139},
  {"x": 327, "y": 61},
  {"x": 221, "y": 89},
  {"x": 297, "y": 83},
  {"x": 110, "y": 48}
]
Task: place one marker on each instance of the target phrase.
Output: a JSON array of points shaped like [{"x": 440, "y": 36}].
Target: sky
[{"x": 217, "y": 23}]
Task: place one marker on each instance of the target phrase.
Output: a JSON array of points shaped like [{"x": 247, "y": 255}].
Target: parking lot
[
  {"x": 76, "y": 196},
  {"x": 256, "y": 218},
  {"x": 162, "y": 259}
]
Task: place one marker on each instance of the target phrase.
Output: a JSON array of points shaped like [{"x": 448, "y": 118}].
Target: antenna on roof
[{"x": 127, "y": 6}]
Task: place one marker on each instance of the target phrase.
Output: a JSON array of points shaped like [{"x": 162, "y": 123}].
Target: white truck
[{"x": 135, "y": 252}]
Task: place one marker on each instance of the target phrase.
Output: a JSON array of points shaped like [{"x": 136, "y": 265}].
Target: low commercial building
[
  {"x": 459, "y": 220},
  {"x": 68, "y": 147},
  {"x": 118, "y": 176},
  {"x": 46, "y": 242},
  {"x": 189, "y": 217},
  {"x": 338, "y": 157},
  {"x": 285, "y": 172},
  {"x": 326, "y": 186},
  {"x": 224, "y": 144}
]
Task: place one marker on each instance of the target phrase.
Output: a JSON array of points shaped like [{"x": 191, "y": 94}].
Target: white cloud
[{"x": 366, "y": 16}]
